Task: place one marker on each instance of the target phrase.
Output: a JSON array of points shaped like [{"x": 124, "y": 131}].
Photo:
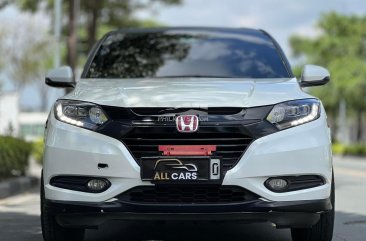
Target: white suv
[{"x": 188, "y": 124}]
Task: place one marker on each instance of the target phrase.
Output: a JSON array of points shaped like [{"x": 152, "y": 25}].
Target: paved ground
[{"x": 19, "y": 218}]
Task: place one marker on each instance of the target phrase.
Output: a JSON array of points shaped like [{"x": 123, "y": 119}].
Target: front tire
[
  {"x": 51, "y": 230},
  {"x": 321, "y": 231}
]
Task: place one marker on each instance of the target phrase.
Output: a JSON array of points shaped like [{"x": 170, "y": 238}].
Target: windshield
[{"x": 165, "y": 54}]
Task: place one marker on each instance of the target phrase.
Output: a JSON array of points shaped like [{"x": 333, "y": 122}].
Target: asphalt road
[{"x": 19, "y": 218}]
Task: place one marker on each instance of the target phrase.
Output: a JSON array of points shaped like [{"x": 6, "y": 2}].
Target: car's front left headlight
[
  {"x": 294, "y": 113},
  {"x": 77, "y": 113}
]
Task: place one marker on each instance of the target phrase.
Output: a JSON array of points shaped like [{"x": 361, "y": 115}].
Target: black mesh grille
[
  {"x": 229, "y": 146},
  {"x": 142, "y": 130},
  {"x": 187, "y": 194}
]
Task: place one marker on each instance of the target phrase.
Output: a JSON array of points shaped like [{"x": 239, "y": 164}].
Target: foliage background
[
  {"x": 340, "y": 47},
  {"x": 14, "y": 154}
]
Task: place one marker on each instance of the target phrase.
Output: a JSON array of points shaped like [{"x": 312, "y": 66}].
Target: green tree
[
  {"x": 341, "y": 47},
  {"x": 4, "y": 3},
  {"x": 27, "y": 66},
  {"x": 28, "y": 51},
  {"x": 3, "y": 51},
  {"x": 115, "y": 13},
  {"x": 96, "y": 14},
  {"x": 2, "y": 48}
]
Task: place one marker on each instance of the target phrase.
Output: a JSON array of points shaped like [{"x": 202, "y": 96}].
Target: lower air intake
[{"x": 187, "y": 194}]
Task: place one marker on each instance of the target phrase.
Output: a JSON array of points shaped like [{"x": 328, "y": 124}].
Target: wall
[{"x": 9, "y": 113}]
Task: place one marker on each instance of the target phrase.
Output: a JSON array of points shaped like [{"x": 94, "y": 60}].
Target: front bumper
[
  {"x": 282, "y": 214},
  {"x": 302, "y": 150}
]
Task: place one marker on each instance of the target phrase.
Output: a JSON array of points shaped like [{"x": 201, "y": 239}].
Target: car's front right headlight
[
  {"x": 78, "y": 113},
  {"x": 294, "y": 113}
]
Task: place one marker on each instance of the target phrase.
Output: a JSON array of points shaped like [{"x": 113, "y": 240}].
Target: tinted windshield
[{"x": 187, "y": 54}]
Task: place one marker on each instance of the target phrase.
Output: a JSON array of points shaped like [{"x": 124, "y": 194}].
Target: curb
[{"x": 17, "y": 185}]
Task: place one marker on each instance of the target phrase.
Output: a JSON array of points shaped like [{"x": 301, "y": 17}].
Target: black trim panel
[
  {"x": 77, "y": 183},
  {"x": 280, "y": 219},
  {"x": 308, "y": 206},
  {"x": 296, "y": 183},
  {"x": 315, "y": 83},
  {"x": 58, "y": 84},
  {"x": 284, "y": 214}
]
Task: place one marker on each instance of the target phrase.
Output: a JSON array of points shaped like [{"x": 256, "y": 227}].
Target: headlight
[
  {"x": 81, "y": 114},
  {"x": 294, "y": 113}
]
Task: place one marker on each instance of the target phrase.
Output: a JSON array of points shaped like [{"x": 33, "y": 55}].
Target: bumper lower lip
[
  {"x": 283, "y": 214},
  {"x": 280, "y": 219}
]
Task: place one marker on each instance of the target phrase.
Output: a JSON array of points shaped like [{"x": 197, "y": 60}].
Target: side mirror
[
  {"x": 313, "y": 75},
  {"x": 61, "y": 77}
]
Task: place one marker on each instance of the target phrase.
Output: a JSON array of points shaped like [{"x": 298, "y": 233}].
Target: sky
[{"x": 281, "y": 18}]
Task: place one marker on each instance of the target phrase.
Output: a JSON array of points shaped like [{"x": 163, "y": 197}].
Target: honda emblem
[{"x": 187, "y": 123}]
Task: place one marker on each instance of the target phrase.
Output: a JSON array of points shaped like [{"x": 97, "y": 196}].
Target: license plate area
[{"x": 182, "y": 170}]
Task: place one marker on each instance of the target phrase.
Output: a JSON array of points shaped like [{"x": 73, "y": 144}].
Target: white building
[
  {"x": 9, "y": 113},
  {"x": 27, "y": 125},
  {"x": 32, "y": 125}
]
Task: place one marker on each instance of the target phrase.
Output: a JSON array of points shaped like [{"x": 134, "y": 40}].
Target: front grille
[
  {"x": 187, "y": 194},
  {"x": 230, "y": 146},
  {"x": 231, "y": 129}
]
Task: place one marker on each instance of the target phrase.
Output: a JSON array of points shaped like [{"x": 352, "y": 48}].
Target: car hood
[{"x": 187, "y": 92}]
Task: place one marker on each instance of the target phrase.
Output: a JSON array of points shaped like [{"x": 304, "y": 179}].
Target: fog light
[
  {"x": 276, "y": 184},
  {"x": 97, "y": 185}
]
